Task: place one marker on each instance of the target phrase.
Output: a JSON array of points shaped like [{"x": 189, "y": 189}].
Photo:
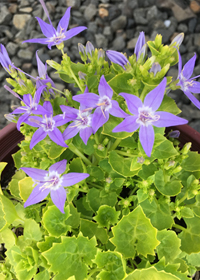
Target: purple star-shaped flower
[
  {"x": 146, "y": 116},
  {"x": 5, "y": 59},
  {"x": 31, "y": 105},
  {"x": 82, "y": 123},
  {"x": 47, "y": 126},
  {"x": 53, "y": 36},
  {"x": 187, "y": 84},
  {"x": 103, "y": 104},
  {"x": 52, "y": 182}
]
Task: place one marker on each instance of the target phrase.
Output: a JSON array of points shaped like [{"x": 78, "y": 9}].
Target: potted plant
[{"x": 100, "y": 190}]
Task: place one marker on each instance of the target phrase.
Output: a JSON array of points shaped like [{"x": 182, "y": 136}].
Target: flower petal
[
  {"x": 74, "y": 31},
  {"x": 85, "y": 134},
  {"x": 104, "y": 88},
  {"x": 73, "y": 178},
  {"x": 189, "y": 67},
  {"x": 43, "y": 41},
  {"x": 179, "y": 62},
  {"x": 48, "y": 107},
  {"x": 57, "y": 137},
  {"x": 195, "y": 87},
  {"x": 41, "y": 67},
  {"x": 193, "y": 99},
  {"x": 59, "y": 197},
  {"x": 87, "y": 99},
  {"x": 139, "y": 44},
  {"x": 38, "y": 136},
  {"x": 133, "y": 102},
  {"x": 146, "y": 135},
  {"x": 38, "y": 194},
  {"x": 70, "y": 131},
  {"x": 59, "y": 166},
  {"x": 35, "y": 173},
  {"x": 21, "y": 120},
  {"x": 117, "y": 57},
  {"x": 167, "y": 119},
  {"x": 64, "y": 22},
  {"x": 154, "y": 98},
  {"x": 27, "y": 99},
  {"x": 116, "y": 111},
  {"x": 129, "y": 124},
  {"x": 38, "y": 93},
  {"x": 47, "y": 29},
  {"x": 99, "y": 119}
]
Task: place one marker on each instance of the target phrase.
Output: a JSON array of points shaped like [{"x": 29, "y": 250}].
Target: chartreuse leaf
[
  {"x": 25, "y": 187},
  {"x": 90, "y": 229},
  {"x": 169, "y": 105},
  {"x": 3, "y": 223},
  {"x": 24, "y": 263},
  {"x": 121, "y": 165},
  {"x": 74, "y": 219},
  {"x": 96, "y": 198},
  {"x": 32, "y": 230},
  {"x": 196, "y": 208},
  {"x": 117, "y": 185},
  {"x": 106, "y": 216},
  {"x": 17, "y": 159},
  {"x": 170, "y": 188},
  {"x": 192, "y": 162},
  {"x": 150, "y": 273},
  {"x": 8, "y": 209},
  {"x": 194, "y": 259},
  {"x": 14, "y": 186},
  {"x": 71, "y": 257},
  {"x": 79, "y": 144},
  {"x": 169, "y": 246},
  {"x": 190, "y": 237},
  {"x": 48, "y": 243},
  {"x": 112, "y": 265},
  {"x": 158, "y": 213},
  {"x": 7, "y": 237},
  {"x": 2, "y": 166},
  {"x": 43, "y": 275},
  {"x": 130, "y": 233},
  {"x": 76, "y": 165},
  {"x": 165, "y": 150},
  {"x": 110, "y": 125},
  {"x": 119, "y": 83},
  {"x": 95, "y": 173},
  {"x": 55, "y": 221}
]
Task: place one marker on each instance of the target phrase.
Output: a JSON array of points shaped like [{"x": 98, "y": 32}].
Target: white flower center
[
  {"x": 184, "y": 83},
  {"x": 57, "y": 37},
  {"x": 83, "y": 120},
  {"x": 53, "y": 181},
  {"x": 105, "y": 103},
  {"x": 146, "y": 116},
  {"x": 48, "y": 123}
]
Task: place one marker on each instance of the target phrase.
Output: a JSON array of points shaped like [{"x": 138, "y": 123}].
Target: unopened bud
[
  {"x": 101, "y": 147},
  {"x": 89, "y": 48},
  {"x": 105, "y": 141},
  {"x": 82, "y": 75},
  {"x": 151, "y": 192},
  {"x": 10, "y": 117},
  {"x": 177, "y": 169},
  {"x": 174, "y": 134},
  {"x": 155, "y": 68},
  {"x": 81, "y": 48},
  {"x": 178, "y": 40},
  {"x": 186, "y": 148},
  {"x": 101, "y": 54}
]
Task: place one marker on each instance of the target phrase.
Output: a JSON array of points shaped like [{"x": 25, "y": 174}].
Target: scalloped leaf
[
  {"x": 170, "y": 188},
  {"x": 106, "y": 216},
  {"x": 9, "y": 211},
  {"x": 158, "y": 213},
  {"x": 7, "y": 237},
  {"x": 169, "y": 246},
  {"x": 121, "y": 165},
  {"x": 71, "y": 257},
  {"x": 192, "y": 162},
  {"x": 164, "y": 151},
  {"x": 130, "y": 233},
  {"x": 25, "y": 187},
  {"x": 90, "y": 229},
  {"x": 32, "y": 230},
  {"x": 119, "y": 83},
  {"x": 55, "y": 221},
  {"x": 169, "y": 105},
  {"x": 190, "y": 237},
  {"x": 96, "y": 198},
  {"x": 43, "y": 275},
  {"x": 150, "y": 273},
  {"x": 95, "y": 173},
  {"x": 112, "y": 265}
]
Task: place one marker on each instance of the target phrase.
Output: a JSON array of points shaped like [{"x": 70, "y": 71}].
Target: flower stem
[
  {"x": 179, "y": 227},
  {"x": 92, "y": 272},
  {"x": 115, "y": 144},
  {"x": 183, "y": 198},
  {"x": 79, "y": 154},
  {"x": 125, "y": 154},
  {"x": 57, "y": 90},
  {"x": 76, "y": 80}
]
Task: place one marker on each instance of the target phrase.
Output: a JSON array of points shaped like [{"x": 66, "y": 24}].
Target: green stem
[
  {"x": 96, "y": 137},
  {"x": 95, "y": 185},
  {"x": 79, "y": 154},
  {"x": 183, "y": 198},
  {"x": 124, "y": 154},
  {"x": 133, "y": 191},
  {"x": 86, "y": 217},
  {"x": 179, "y": 227},
  {"x": 143, "y": 94},
  {"x": 57, "y": 90},
  {"x": 92, "y": 272},
  {"x": 76, "y": 80},
  {"x": 115, "y": 144}
]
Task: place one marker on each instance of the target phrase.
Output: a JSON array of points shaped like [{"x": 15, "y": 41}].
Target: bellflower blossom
[
  {"x": 5, "y": 59},
  {"x": 118, "y": 58},
  {"x": 82, "y": 124},
  {"x": 31, "y": 105},
  {"x": 145, "y": 116},
  {"x": 102, "y": 103},
  {"x": 53, "y": 36},
  {"x": 52, "y": 182},
  {"x": 187, "y": 84},
  {"x": 47, "y": 126}
]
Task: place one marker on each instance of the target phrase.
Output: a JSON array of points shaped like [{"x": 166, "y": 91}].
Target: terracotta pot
[{"x": 10, "y": 137}]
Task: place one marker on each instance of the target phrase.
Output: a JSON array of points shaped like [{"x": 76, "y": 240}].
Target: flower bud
[
  {"x": 89, "y": 48},
  {"x": 10, "y": 117},
  {"x": 82, "y": 75},
  {"x": 178, "y": 40},
  {"x": 101, "y": 54},
  {"x": 186, "y": 148},
  {"x": 155, "y": 68},
  {"x": 174, "y": 134}
]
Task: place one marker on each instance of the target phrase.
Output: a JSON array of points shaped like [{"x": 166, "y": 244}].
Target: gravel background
[{"x": 112, "y": 24}]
